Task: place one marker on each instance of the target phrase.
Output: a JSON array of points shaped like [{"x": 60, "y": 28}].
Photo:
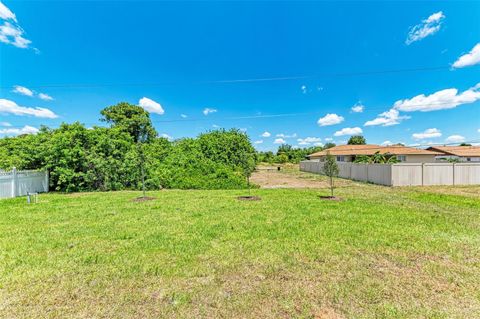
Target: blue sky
[{"x": 65, "y": 61}]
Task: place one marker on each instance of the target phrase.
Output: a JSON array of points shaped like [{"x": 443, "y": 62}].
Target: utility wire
[
  {"x": 231, "y": 81},
  {"x": 260, "y": 116}
]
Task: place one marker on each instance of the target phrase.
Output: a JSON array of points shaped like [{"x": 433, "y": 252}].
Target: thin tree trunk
[{"x": 331, "y": 185}]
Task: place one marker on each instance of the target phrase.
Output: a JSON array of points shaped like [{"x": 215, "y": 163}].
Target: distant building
[
  {"x": 348, "y": 153},
  {"x": 461, "y": 153}
]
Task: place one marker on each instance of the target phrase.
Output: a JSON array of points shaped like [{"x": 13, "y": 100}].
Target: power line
[
  {"x": 259, "y": 116},
  {"x": 231, "y": 81}
]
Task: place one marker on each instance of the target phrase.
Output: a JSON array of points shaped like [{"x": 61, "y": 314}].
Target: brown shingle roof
[
  {"x": 371, "y": 149},
  {"x": 465, "y": 151}
]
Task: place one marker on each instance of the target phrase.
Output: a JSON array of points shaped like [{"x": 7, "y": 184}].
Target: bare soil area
[{"x": 291, "y": 177}]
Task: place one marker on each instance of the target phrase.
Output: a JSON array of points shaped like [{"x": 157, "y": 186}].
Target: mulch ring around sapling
[
  {"x": 249, "y": 198},
  {"x": 332, "y": 198},
  {"x": 142, "y": 199}
]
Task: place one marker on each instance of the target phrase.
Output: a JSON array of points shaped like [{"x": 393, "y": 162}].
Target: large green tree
[
  {"x": 132, "y": 119},
  {"x": 357, "y": 140}
]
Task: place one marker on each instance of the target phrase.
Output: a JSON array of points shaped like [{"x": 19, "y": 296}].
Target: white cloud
[
  {"x": 348, "y": 131},
  {"x": 208, "y": 110},
  {"x": 444, "y": 99},
  {"x": 165, "y": 135},
  {"x": 6, "y": 14},
  {"x": 428, "y": 133},
  {"x": 286, "y": 135},
  {"x": 304, "y": 89},
  {"x": 386, "y": 143},
  {"x": 471, "y": 58},
  {"x": 184, "y": 116},
  {"x": 309, "y": 140},
  {"x": 328, "y": 139},
  {"x": 10, "y": 31},
  {"x": 455, "y": 139},
  {"x": 330, "y": 119},
  {"x": 22, "y": 90},
  {"x": 13, "y": 34},
  {"x": 388, "y": 118},
  {"x": 258, "y": 142},
  {"x": 5, "y": 124},
  {"x": 279, "y": 141},
  {"x": 358, "y": 108},
  {"x": 10, "y": 107},
  {"x": 45, "y": 97},
  {"x": 266, "y": 134},
  {"x": 27, "y": 129},
  {"x": 151, "y": 106},
  {"x": 427, "y": 27},
  {"x": 478, "y": 130}
]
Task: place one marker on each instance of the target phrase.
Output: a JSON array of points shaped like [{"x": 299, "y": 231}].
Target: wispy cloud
[
  {"x": 428, "y": 133},
  {"x": 22, "y": 90},
  {"x": 471, "y": 58},
  {"x": 358, "y": 108},
  {"x": 279, "y": 141},
  {"x": 10, "y": 107},
  {"x": 304, "y": 89},
  {"x": 208, "y": 110},
  {"x": 427, "y": 27},
  {"x": 309, "y": 140},
  {"x": 388, "y": 118},
  {"x": 258, "y": 142},
  {"x": 455, "y": 139},
  {"x": 184, "y": 116},
  {"x": 440, "y": 100},
  {"x": 45, "y": 97},
  {"x": 151, "y": 106},
  {"x": 266, "y": 134},
  {"x": 10, "y": 30},
  {"x": 27, "y": 129},
  {"x": 349, "y": 131},
  {"x": 287, "y": 135},
  {"x": 330, "y": 119},
  {"x": 5, "y": 124}
]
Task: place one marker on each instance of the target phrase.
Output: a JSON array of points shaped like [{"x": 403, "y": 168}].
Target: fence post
[
  {"x": 14, "y": 182},
  {"x": 47, "y": 186},
  {"x": 423, "y": 168},
  {"x": 453, "y": 172}
]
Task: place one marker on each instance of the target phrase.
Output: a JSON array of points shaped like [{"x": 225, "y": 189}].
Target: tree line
[{"x": 128, "y": 151}]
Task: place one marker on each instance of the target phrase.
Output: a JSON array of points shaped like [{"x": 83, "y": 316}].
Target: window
[
  {"x": 402, "y": 158},
  {"x": 340, "y": 158}
]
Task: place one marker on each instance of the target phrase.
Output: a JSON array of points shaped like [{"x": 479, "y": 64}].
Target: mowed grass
[{"x": 380, "y": 253}]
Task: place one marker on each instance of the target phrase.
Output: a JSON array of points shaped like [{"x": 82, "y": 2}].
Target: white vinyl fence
[
  {"x": 404, "y": 174},
  {"x": 19, "y": 183}
]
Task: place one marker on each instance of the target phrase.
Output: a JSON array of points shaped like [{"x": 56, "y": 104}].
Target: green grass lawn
[{"x": 380, "y": 253}]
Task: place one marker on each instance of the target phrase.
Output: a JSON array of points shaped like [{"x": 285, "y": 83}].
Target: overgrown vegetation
[
  {"x": 288, "y": 154},
  {"x": 129, "y": 151}
]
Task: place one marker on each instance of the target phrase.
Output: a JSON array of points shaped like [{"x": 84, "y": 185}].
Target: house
[
  {"x": 461, "y": 153},
  {"x": 348, "y": 153}
]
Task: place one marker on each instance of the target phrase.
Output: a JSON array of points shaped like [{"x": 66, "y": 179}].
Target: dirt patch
[
  {"x": 291, "y": 177},
  {"x": 248, "y": 198},
  {"x": 143, "y": 199}
]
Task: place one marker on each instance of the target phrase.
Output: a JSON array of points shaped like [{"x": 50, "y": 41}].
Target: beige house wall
[
  {"x": 420, "y": 159},
  {"x": 408, "y": 158}
]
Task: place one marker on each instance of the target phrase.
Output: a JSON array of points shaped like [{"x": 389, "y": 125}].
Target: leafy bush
[{"x": 81, "y": 159}]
